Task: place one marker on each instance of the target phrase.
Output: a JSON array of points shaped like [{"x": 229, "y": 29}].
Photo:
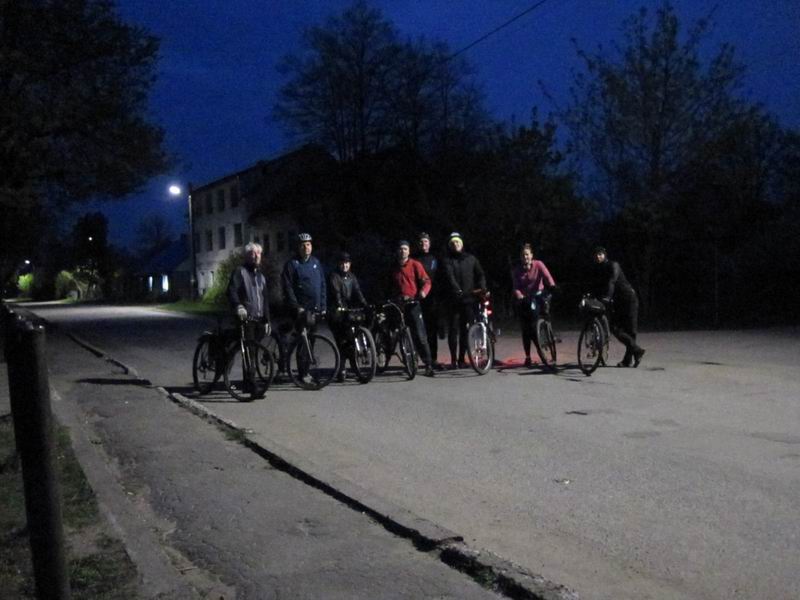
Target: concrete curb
[{"x": 488, "y": 569}]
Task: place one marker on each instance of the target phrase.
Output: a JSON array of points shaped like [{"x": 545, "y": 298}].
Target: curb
[
  {"x": 491, "y": 571},
  {"x": 488, "y": 569}
]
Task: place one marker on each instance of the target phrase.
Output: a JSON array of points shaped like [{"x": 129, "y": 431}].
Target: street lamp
[{"x": 176, "y": 190}]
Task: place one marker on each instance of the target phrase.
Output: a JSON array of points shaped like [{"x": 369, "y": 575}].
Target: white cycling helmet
[{"x": 304, "y": 237}]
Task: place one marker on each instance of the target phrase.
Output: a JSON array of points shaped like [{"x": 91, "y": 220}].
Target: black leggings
[{"x": 459, "y": 318}]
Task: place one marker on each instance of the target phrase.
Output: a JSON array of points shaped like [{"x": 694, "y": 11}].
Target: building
[
  {"x": 258, "y": 204},
  {"x": 165, "y": 274}
]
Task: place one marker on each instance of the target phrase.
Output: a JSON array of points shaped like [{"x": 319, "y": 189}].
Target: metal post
[
  {"x": 193, "y": 250},
  {"x": 33, "y": 429}
]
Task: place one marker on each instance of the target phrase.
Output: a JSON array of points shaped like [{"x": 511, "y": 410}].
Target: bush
[
  {"x": 65, "y": 283},
  {"x": 25, "y": 284},
  {"x": 215, "y": 295}
]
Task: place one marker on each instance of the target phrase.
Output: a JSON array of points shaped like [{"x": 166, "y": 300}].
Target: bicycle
[
  {"x": 595, "y": 334},
  {"x": 358, "y": 344},
  {"x": 392, "y": 335},
  {"x": 481, "y": 337},
  {"x": 313, "y": 358},
  {"x": 543, "y": 337},
  {"x": 245, "y": 365}
]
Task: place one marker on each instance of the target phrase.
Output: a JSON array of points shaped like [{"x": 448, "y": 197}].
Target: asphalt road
[{"x": 680, "y": 479}]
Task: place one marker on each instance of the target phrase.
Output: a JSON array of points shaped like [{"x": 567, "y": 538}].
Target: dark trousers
[
  {"x": 625, "y": 323},
  {"x": 417, "y": 325},
  {"x": 460, "y": 316},
  {"x": 430, "y": 315}
]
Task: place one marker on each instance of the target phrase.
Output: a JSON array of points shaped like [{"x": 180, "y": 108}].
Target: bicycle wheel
[
  {"x": 204, "y": 368},
  {"x": 363, "y": 358},
  {"x": 382, "y": 351},
  {"x": 275, "y": 345},
  {"x": 312, "y": 366},
  {"x": 246, "y": 373},
  {"x": 590, "y": 346},
  {"x": 480, "y": 348},
  {"x": 407, "y": 353},
  {"x": 546, "y": 343}
]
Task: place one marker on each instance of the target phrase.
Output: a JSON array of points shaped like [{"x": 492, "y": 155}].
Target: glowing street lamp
[{"x": 175, "y": 190}]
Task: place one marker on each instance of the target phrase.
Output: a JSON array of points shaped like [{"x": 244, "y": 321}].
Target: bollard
[{"x": 33, "y": 429}]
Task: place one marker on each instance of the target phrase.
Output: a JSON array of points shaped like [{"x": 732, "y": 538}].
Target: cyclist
[
  {"x": 248, "y": 294},
  {"x": 430, "y": 305},
  {"x": 303, "y": 279},
  {"x": 463, "y": 274},
  {"x": 530, "y": 277},
  {"x": 304, "y": 288},
  {"x": 611, "y": 285},
  {"x": 410, "y": 282},
  {"x": 345, "y": 293}
]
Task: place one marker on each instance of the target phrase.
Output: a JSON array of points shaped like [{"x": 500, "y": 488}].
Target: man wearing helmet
[
  {"x": 303, "y": 279},
  {"x": 430, "y": 304}
]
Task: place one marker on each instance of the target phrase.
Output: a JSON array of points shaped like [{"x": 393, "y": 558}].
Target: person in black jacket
[
  {"x": 248, "y": 294},
  {"x": 345, "y": 292},
  {"x": 463, "y": 275},
  {"x": 611, "y": 285},
  {"x": 430, "y": 304}
]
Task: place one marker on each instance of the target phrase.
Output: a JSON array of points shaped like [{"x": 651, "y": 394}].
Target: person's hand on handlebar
[{"x": 241, "y": 312}]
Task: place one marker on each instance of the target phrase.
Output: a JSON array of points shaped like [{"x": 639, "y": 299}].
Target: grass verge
[{"x": 99, "y": 567}]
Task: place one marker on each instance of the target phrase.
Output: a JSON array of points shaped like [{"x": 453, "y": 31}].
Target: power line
[{"x": 496, "y": 29}]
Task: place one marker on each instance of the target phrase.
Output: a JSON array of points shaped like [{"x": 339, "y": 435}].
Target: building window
[
  {"x": 265, "y": 245},
  {"x": 150, "y": 283},
  {"x": 209, "y": 241},
  {"x": 209, "y": 204},
  {"x": 237, "y": 234},
  {"x": 210, "y": 278},
  {"x": 221, "y": 199},
  {"x": 281, "y": 241},
  {"x": 221, "y": 238},
  {"x": 234, "y": 196},
  {"x": 165, "y": 283}
]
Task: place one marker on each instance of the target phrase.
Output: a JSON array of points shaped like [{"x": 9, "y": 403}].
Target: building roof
[{"x": 166, "y": 260}]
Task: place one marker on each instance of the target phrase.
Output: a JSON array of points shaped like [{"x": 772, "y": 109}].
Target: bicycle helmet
[{"x": 304, "y": 237}]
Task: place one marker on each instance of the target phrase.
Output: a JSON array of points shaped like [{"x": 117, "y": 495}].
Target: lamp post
[{"x": 176, "y": 190}]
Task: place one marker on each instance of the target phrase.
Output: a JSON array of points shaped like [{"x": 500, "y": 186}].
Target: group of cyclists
[{"x": 434, "y": 291}]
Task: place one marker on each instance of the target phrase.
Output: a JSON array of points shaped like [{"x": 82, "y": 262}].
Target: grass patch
[
  {"x": 100, "y": 571},
  {"x": 193, "y": 308}
]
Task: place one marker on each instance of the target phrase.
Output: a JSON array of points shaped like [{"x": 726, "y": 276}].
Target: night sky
[{"x": 218, "y": 80}]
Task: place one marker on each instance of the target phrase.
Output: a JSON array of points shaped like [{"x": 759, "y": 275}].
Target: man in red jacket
[{"x": 410, "y": 282}]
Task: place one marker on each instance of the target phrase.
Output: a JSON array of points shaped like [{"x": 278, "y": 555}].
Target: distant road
[{"x": 680, "y": 479}]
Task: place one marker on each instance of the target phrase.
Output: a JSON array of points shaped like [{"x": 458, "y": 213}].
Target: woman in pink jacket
[{"x": 530, "y": 277}]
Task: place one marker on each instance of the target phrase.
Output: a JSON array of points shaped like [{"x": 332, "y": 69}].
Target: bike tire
[
  {"x": 237, "y": 382},
  {"x": 590, "y": 347},
  {"x": 318, "y": 370},
  {"x": 408, "y": 354},
  {"x": 546, "y": 344},
  {"x": 363, "y": 357},
  {"x": 480, "y": 348},
  {"x": 382, "y": 351},
  {"x": 205, "y": 371}
]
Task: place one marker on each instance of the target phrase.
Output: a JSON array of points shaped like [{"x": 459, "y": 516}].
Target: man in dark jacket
[
  {"x": 248, "y": 294},
  {"x": 430, "y": 304},
  {"x": 611, "y": 285},
  {"x": 304, "y": 280},
  {"x": 463, "y": 275},
  {"x": 345, "y": 292}
]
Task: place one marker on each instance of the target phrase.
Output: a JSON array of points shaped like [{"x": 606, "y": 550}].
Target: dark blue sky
[{"x": 218, "y": 82}]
